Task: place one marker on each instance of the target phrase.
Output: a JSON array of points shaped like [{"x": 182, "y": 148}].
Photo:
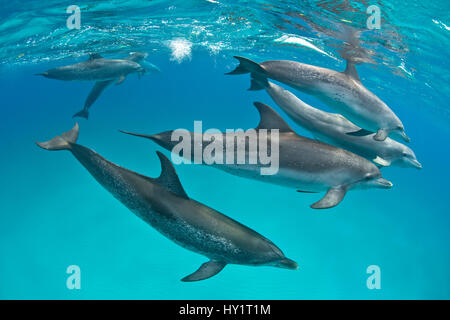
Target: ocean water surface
[{"x": 54, "y": 214}]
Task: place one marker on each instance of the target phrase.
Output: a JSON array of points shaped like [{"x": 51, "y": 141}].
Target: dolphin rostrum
[
  {"x": 342, "y": 91},
  {"x": 162, "y": 203},
  {"x": 332, "y": 128},
  {"x": 304, "y": 164},
  {"x": 100, "y": 86}
]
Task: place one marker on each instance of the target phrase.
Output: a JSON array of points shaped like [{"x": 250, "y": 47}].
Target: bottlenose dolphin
[
  {"x": 332, "y": 128},
  {"x": 163, "y": 204},
  {"x": 100, "y": 86},
  {"x": 342, "y": 91},
  {"x": 304, "y": 164}
]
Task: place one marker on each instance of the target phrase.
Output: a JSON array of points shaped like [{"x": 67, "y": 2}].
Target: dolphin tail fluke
[
  {"x": 61, "y": 142},
  {"x": 246, "y": 66},
  {"x": 258, "y": 82},
  {"x": 206, "y": 270},
  {"x": 82, "y": 114},
  {"x": 331, "y": 199},
  {"x": 44, "y": 74}
]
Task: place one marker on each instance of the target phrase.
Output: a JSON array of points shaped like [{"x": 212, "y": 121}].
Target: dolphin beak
[
  {"x": 286, "y": 263},
  {"x": 416, "y": 164},
  {"x": 404, "y": 136},
  {"x": 383, "y": 183},
  {"x": 137, "y": 134}
]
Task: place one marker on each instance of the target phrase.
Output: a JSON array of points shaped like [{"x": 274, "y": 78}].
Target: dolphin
[
  {"x": 100, "y": 86},
  {"x": 163, "y": 204},
  {"x": 332, "y": 128},
  {"x": 304, "y": 164},
  {"x": 342, "y": 91},
  {"x": 96, "y": 68}
]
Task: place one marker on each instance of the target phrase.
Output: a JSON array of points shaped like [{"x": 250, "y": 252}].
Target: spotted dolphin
[
  {"x": 163, "y": 204},
  {"x": 342, "y": 91},
  {"x": 96, "y": 68},
  {"x": 332, "y": 128},
  {"x": 304, "y": 164},
  {"x": 100, "y": 86}
]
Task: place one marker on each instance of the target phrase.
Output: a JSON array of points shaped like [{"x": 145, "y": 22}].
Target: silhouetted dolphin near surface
[
  {"x": 96, "y": 68},
  {"x": 100, "y": 86},
  {"x": 304, "y": 164},
  {"x": 342, "y": 91},
  {"x": 163, "y": 204},
  {"x": 332, "y": 128}
]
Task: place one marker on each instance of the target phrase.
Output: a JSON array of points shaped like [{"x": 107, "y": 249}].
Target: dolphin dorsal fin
[
  {"x": 93, "y": 56},
  {"x": 350, "y": 70},
  {"x": 270, "y": 119},
  {"x": 169, "y": 178}
]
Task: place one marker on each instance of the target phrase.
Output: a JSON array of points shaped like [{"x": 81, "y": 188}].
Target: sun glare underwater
[{"x": 371, "y": 77}]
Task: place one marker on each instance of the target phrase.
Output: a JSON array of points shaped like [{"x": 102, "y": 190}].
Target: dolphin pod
[
  {"x": 104, "y": 71},
  {"x": 339, "y": 160},
  {"x": 163, "y": 204},
  {"x": 332, "y": 128},
  {"x": 342, "y": 91},
  {"x": 304, "y": 164}
]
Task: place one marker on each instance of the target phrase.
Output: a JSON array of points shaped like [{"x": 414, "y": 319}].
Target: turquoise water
[{"x": 54, "y": 214}]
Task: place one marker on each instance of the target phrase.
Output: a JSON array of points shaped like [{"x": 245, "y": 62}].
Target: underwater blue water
[{"x": 54, "y": 214}]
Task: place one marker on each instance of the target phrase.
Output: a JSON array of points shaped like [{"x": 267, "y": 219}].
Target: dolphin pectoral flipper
[
  {"x": 381, "y": 135},
  {"x": 61, "y": 142},
  {"x": 169, "y": 177},
  {"x": 360, "y": 133},
  {"x": 121, "y": 79},
  {"x": 331, "y": 199},
  {"x": 206, "y": 270},
  {"x": 381, "y": 161}
]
